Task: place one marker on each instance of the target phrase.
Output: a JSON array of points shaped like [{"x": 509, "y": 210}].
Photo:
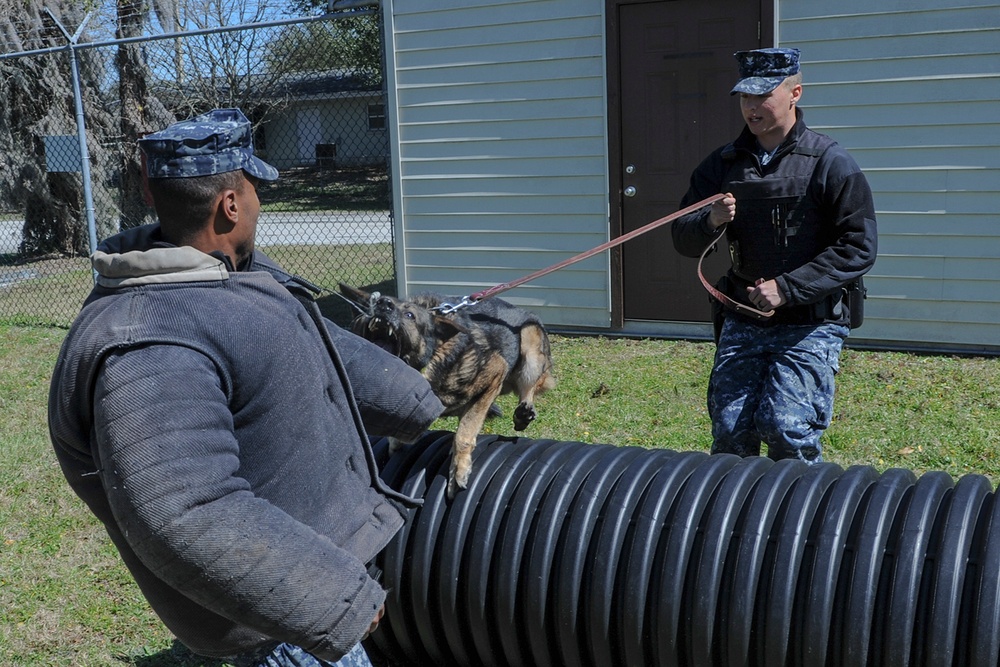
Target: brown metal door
[{"x": 676, "y": 68}]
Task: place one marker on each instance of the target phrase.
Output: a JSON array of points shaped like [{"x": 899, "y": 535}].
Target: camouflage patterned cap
[
  {"x": 213, "y": 143},
  {"x": 762, "y": 70}
]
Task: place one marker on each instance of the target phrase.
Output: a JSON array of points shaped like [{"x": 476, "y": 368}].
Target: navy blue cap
[
  {"x": 763, "y": 70},
  {"x": 213, "y": 143}
]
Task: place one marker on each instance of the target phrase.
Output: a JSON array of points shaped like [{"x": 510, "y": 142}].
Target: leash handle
[
  {"x": 724, "y": 299},
  {"x": 503, "y": 287}
]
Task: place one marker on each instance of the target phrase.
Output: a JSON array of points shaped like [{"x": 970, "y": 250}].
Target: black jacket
[{"x": 806, "y": 220}]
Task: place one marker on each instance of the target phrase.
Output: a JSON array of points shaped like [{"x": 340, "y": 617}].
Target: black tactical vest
[{"x": 777, "y": 226}]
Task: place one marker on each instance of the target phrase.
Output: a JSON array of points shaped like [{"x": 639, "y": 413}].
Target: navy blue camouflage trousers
[
  {"x": 774, "y": 385},
  {"x": 288, "y": 655}
]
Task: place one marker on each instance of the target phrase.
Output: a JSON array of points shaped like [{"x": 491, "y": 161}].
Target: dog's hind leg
[
  {"x": 533, "y": 374},
  {"x": 471, "y": 423}
]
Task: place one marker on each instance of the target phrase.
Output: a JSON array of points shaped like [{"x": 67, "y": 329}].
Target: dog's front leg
[{"x": 469, "y": 426}]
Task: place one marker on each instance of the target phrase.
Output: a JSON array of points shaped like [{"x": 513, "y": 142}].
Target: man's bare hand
[
  {"x": 722, "y": 211},
  {"x": 766, "y": 295},
  {"x": 375, "y": 622}
]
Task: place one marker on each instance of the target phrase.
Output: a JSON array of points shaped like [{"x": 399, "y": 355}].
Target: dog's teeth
[{"x": 371, "y": 325}]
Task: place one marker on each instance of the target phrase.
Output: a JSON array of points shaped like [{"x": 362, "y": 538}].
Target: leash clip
[{"x": 449, "y": 308}]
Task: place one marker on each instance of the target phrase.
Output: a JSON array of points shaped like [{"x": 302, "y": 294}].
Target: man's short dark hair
[{"x": 184, "y": 204}]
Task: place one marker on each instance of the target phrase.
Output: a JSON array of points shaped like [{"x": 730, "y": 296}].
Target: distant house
[
  {"x": 519, "y": 130},
  {"x": 326, "y": 119},
  {"x": 302, "y": 118}
]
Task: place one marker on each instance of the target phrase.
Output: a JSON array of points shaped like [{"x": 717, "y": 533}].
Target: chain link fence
[{"x": 313, "y": 89}]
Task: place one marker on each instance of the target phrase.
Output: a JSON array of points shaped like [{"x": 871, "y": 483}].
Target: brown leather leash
[
  {"x": 725, "y": 300},
  {"x": 447, "y": 308}
]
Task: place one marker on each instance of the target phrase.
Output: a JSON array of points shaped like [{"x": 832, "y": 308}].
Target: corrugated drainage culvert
[{"x": 577, "y": 555}]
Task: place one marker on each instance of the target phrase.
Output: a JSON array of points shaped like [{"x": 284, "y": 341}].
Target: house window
[{"x": 376, "y": 116}]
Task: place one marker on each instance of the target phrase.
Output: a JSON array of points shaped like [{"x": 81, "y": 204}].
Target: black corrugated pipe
[{"x": 567, "y": 554}]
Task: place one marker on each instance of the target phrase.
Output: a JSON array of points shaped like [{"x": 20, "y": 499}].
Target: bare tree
[{"x": 217, "y": 69}]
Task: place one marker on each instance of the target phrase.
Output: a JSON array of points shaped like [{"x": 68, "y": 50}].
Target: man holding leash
[
  {"x": 215, "y": 422},
  {"x": 799, "y": 223}
]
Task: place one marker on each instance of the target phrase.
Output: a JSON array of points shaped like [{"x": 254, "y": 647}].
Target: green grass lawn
[
  {"x": 315, "y": 189},
  {"x": 65, "y": 599}
]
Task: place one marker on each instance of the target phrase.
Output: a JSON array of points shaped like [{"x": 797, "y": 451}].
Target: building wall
[
  {"x": 912, "y": 89},
  {"x": 502, "y": 150},
  {"x": 501, "y": 115},
  {"x": 293, "y": 134}
]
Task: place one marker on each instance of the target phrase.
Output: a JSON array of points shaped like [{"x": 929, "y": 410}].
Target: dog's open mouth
[{"x": 381, "y": 332}]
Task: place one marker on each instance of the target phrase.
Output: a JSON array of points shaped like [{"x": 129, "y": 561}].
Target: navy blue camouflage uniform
[{"x": 805, "y": 219}]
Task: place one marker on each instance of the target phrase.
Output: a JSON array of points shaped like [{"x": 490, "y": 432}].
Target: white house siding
[
  {"x": 502, "y": 151},
  {"x": 912, "y": 89}
]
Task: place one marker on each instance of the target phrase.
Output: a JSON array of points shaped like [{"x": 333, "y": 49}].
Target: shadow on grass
[
  {"x": 177, "y": 655},
  {"x": 355, "y": 188}
]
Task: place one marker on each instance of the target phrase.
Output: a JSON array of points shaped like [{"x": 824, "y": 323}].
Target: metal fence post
[{"x": 81, "y": 128}]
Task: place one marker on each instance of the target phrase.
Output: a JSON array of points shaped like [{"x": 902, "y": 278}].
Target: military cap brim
[
  {"x": 763, "y": 70},
  {"x": 217, "y": 142}
]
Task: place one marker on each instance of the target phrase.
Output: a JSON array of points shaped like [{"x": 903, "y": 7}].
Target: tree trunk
[
  {"x": 134, "y": 94},
  {"x": 36, "y": 101}
]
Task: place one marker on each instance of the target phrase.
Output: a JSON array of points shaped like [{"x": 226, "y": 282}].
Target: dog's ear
[
  {"x": 356, "y": 295},
  {"x": 445, "y": 327}
]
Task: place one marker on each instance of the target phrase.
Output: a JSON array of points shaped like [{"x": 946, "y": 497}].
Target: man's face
[{"x": 770, "y": 117}]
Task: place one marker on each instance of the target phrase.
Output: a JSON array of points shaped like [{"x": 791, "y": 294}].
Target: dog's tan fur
[{"x": 469, "y": 358}]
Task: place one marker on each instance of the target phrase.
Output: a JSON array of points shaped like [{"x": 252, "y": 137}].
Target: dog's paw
[
  {"x": 458, "y": 480},
  {"x": 524, "y": 414}
]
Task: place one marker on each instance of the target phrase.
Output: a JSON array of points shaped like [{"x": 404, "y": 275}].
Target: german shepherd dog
[{"x": 469, "y": 357}]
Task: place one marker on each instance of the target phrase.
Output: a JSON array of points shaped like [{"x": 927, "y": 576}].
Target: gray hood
[{"x": 119, "y": 262}]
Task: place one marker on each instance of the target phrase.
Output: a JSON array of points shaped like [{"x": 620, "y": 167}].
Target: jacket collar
[{"x": 140, "y": 256}]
